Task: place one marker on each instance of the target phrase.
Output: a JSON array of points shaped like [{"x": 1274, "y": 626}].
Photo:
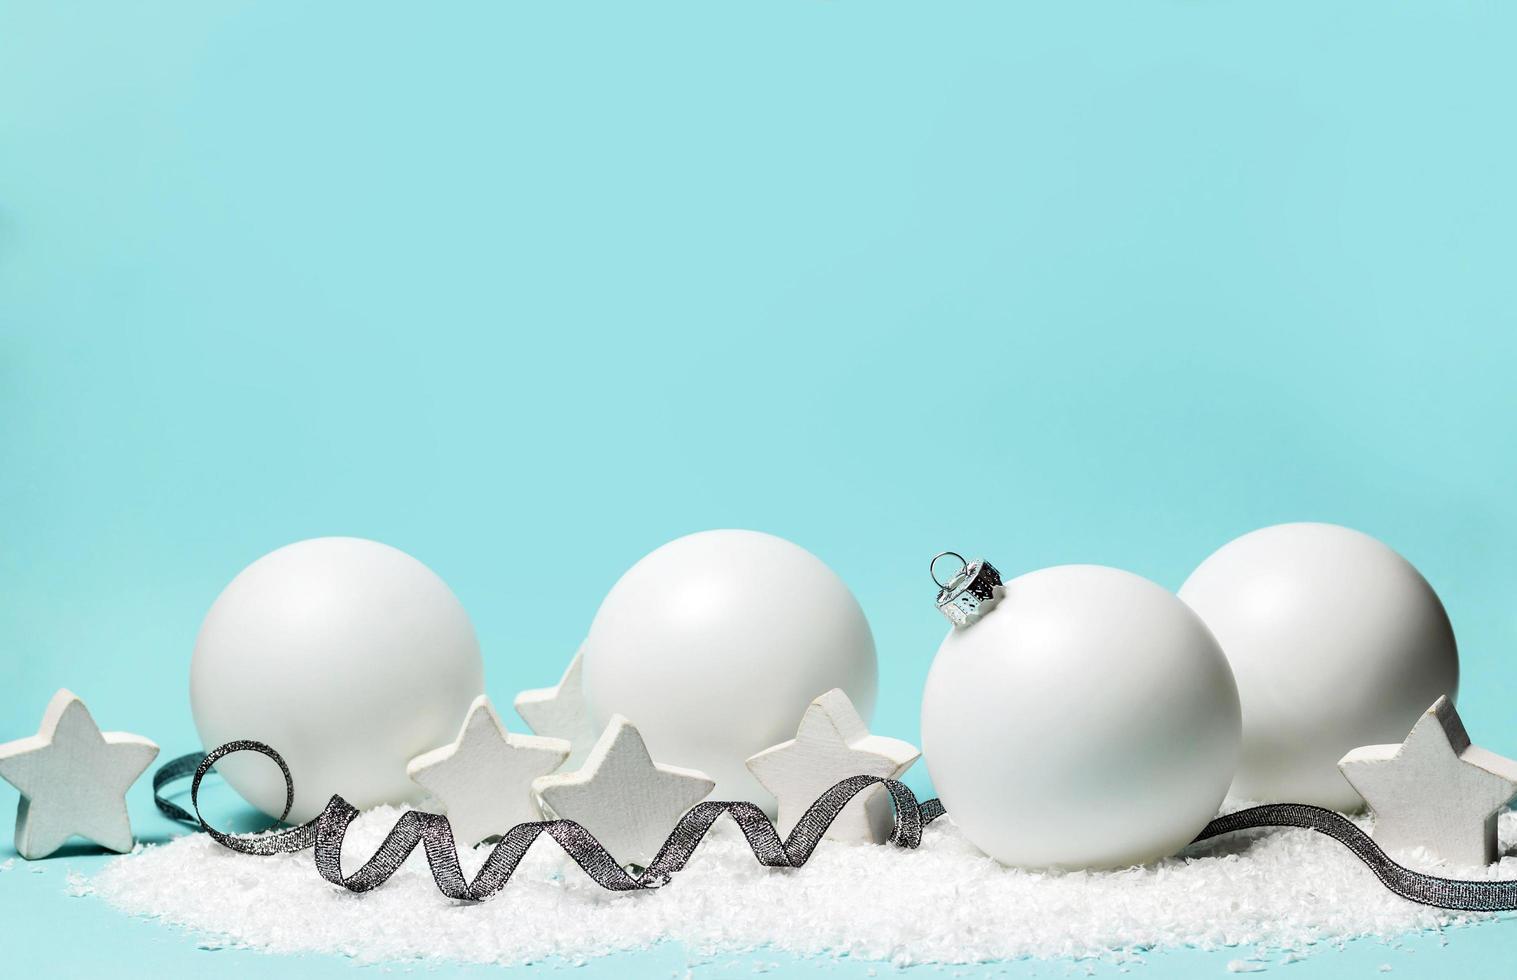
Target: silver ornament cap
[{"x": 972, "y": 591}]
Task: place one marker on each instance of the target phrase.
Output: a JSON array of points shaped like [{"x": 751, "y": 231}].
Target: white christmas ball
[
  {"x": 1088, "y": 720},
  {"x": 1336, "y": 642},
  {"x": 714, "y": 644},
  {"x": 348, "y": 657}
]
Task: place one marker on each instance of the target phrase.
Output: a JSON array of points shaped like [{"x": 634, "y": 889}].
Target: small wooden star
[
  {"x": 1435, "y": 790},
  {"x": 832, "y": 744},
  {"x": 484, "y": 779},
  {"x": 620, "y": 795},
  {"x": 73, "y": 779},
  {"x": 561, "y": 711}
]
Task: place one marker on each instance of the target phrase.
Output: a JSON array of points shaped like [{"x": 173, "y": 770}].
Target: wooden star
[
  {"x": 73, "y": 779},
  {"x": 484, "y": 779},
  {"x": 628, "y": 801},
  {"x": 832, "y": 744},
  {"x": 562, "y": 712},
  {"x": 1435, "y": 790}
]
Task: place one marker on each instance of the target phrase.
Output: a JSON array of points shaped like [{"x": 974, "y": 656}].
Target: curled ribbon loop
[
  {"x": 433, "y": 832},
  {"x": 435, "y": 835}
]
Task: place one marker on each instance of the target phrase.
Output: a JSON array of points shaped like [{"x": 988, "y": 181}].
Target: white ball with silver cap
[{"x": 1078, "y": 716}]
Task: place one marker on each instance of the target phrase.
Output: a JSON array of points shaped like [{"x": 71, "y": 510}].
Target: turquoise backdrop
[{"x": 529, "y": 289}]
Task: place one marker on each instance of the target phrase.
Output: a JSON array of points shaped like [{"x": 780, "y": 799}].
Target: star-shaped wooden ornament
[
  {"x": 561, "y": 711},
  {"x": 620, "y": 795},
  {"x": 73, "y": 779},
  {"x": 484, "y": 779},
  {"x": 832, "y": 744},
  {"x": 1435, "y": 790}
]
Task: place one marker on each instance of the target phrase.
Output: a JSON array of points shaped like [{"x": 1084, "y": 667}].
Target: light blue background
[{"x": 527, "y": 290}]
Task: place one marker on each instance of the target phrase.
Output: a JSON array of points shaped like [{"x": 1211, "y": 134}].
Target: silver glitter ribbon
[
  {"x": 1444, "y": 893},
  {"x": 433, "y": 832},
  {"x": 325, "y": 834}
]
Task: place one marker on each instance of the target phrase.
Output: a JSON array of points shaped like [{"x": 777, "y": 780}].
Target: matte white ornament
[
  {"x": 1336, "y": 642},
  {"x": 1435, "y": 790},
  {"x": 1081, "y": 692},
  {"x": 347, "y": 656},
  {"x": 714, "y": 645},
  {"x": 832, "y": 744},
  {"x": 562, "y": 712},
  {"x": 621, "y": 796},
  {"x": 73, "y": 779},
  {"x": 484, "y": 778}
]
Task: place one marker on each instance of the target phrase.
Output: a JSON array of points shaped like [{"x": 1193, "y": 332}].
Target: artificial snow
[
  {"x": 1279, "y": 892},
  {"x": 77, "y": 885}
]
